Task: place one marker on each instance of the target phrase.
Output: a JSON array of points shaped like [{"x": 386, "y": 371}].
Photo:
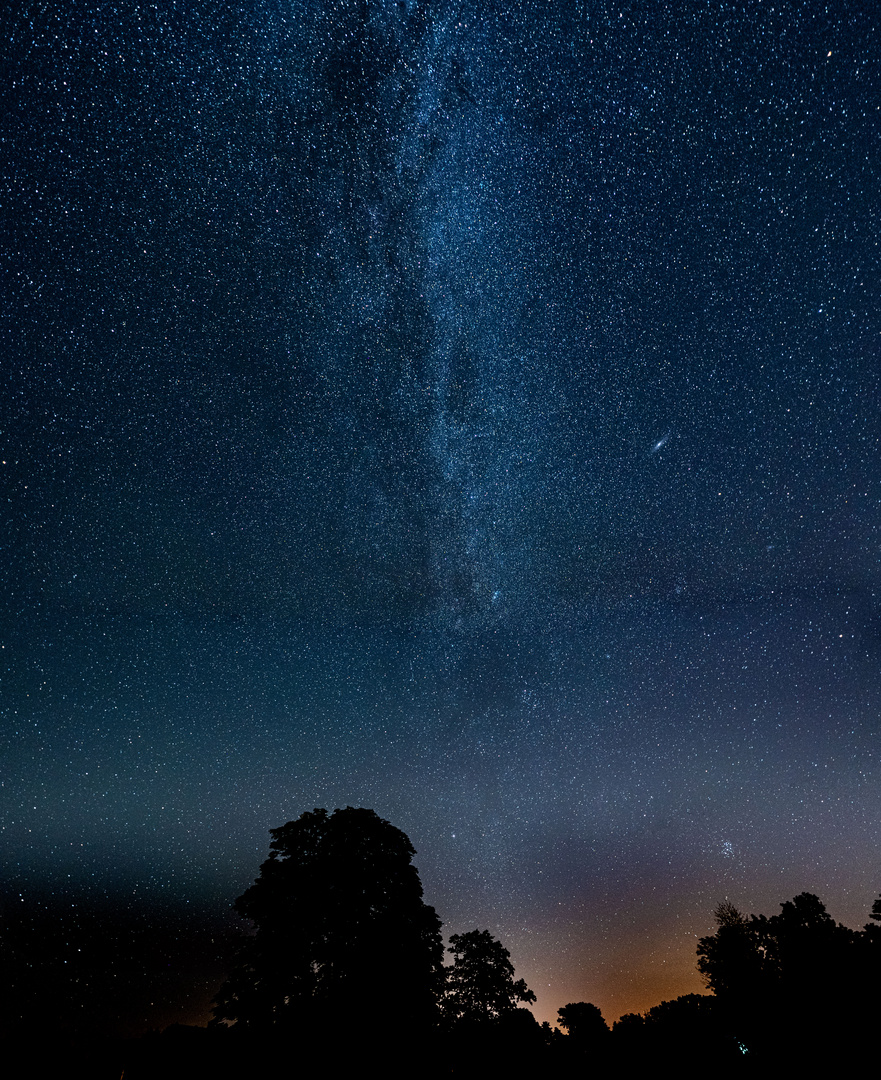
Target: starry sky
[{"x": 464, "y": 410}]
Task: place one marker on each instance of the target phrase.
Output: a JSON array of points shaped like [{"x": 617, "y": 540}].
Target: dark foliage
[
  {"x": 485, "y": 1031},
  {"x": 341, "y": 932},
  {"x": 583, "y": 1022},
  {"x": 687, "y": 1033},
  {"x": 587, "y": 1040},
  {"x": 480, "y": 984},
  {"x": 795, "y": 988}
]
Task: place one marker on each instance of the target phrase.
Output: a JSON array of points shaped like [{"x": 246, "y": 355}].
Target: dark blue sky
[{"x": 465, "y": 411}]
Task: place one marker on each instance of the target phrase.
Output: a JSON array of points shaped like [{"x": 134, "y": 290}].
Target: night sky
[{"x": 463, "y": 410}]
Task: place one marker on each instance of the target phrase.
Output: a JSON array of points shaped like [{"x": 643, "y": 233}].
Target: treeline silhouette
[{"x": 345, "y": 972}]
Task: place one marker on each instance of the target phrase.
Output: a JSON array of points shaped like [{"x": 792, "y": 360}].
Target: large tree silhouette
[{"x": 342, "y": 934}]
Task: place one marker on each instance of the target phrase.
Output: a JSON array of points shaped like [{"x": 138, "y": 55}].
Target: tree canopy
[
  {"x": 583, "y": 1021},
  {"x": 343, "y": 941},
  {"x": 340, "y": 928},
  {"x": 796, "y": 979},
  {"x": 480, "y": 983}
]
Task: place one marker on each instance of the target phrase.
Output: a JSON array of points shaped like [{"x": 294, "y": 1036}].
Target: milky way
[{"x": 464, "y": 411}]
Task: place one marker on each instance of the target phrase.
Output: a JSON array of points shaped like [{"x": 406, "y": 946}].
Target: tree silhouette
[
  {"x": 480, "y": 984},
  {"x": 587, "y": 1040},
  {"x": 732, "y": 961},
  {"x": 341, "y": 930},
  {"x": 687, "y": 1033},
  {"x": 791, "y": 987},
  {"x": 583, "y": 1022}
]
